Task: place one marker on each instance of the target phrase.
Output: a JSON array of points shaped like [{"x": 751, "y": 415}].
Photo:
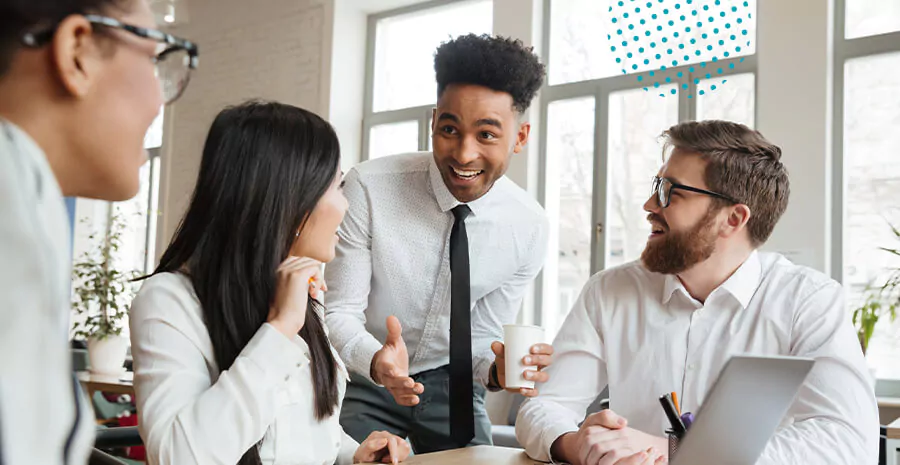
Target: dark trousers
[{"x": 369, "y": 408}]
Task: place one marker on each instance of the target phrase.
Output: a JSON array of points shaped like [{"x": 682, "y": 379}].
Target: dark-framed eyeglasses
[
  {"x": 174, "y": 62},
  {"x": 662, "y": 189}
]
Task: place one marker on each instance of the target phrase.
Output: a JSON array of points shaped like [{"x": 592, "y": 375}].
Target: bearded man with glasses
[
  {"x": 700, "y": 293},
  {"x": 80, "y": 83}
]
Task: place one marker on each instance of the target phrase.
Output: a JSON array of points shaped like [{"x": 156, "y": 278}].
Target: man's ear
[
  {"x": 76, "y": 57},
  {"x": 522, "y": 137},
  {"x": 738, "y": 217}
]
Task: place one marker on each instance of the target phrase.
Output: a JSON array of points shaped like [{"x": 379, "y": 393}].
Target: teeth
[{"x": 466, "y": 174}]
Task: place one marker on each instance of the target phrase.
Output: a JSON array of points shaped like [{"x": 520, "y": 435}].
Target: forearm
[{"x": 820, "y": 441}]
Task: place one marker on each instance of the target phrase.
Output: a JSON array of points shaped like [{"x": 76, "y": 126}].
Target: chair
[{"x": 112, "y": 438}]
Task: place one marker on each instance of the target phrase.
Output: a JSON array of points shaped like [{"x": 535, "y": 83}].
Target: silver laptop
[{"x": 742, "y": 411}]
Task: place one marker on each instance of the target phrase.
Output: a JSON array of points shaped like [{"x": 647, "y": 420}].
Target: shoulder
[
  {"x": 630, "y": 281},
  {"x": 519, "y": 204},
  {"x": 167, "y": 296},
  {"x": 784, "y": 276},
  {"x": 403, "y": 164}
]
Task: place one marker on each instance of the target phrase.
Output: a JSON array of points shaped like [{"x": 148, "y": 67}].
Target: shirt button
[
  {"x": 299, "y": 364},
  {"x": 691, "y": 366}
]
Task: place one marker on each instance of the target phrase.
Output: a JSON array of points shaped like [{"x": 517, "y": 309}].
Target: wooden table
[
  {"x": 123, "y": 384},
  {"x": 477, "y": 455},
  {"x": 892, "y": 444}
]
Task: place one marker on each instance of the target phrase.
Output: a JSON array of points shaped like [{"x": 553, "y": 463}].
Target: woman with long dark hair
[{"x": 232, "y": 361}]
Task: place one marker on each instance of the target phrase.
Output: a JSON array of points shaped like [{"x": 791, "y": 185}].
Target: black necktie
[{"x": 462, "y": 420}]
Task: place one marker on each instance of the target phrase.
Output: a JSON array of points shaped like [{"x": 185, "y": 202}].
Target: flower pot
[{"x": 107, "y": 355}]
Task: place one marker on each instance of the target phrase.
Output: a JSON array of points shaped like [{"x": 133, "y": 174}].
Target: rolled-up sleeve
[
  {"x": 577, "y": 376},
  {"x": 350, "y": 274}
]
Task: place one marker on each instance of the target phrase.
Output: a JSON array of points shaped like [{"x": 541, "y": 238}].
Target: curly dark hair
[{"x": 499, "y": 63}]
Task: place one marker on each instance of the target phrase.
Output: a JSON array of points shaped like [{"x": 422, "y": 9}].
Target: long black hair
[{"x": 265, "y": 166}]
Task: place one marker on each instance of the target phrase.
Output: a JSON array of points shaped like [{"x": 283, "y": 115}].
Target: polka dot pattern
[{"x": 654, "y": 35}]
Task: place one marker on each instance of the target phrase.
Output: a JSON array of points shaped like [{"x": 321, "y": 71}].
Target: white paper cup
[{"x": 518, "y": 340}]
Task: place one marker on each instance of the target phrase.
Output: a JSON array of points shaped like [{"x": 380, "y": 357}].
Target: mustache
[{"x": 654, "y": 218}]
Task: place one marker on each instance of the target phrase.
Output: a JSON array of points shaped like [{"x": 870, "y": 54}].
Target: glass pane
[
  {"x": 591, "y": 39},
  {"x": 872, "y": 174},
  {"x": 636, "y": 119},
  {"x": 153, "y": 214},
  {"x": 871, "y": 17},
  {"x": 153, "y": 138},
  {"x": 569, "y": 195},
  {"x": 393, "y": 139},
  {"x": 733, "y": 99},
  {"x": 405, "y": 45}
]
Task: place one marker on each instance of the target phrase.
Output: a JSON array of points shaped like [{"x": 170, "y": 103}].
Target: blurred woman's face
[
  {"x": 318, "y": 237},
  {"x": 128, "y": 98}
]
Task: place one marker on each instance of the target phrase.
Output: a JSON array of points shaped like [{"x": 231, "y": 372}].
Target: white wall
[{"x": 794, "y": 110}]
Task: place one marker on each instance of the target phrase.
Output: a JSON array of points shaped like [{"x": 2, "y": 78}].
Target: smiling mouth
[{"x": 466, "y": 174}]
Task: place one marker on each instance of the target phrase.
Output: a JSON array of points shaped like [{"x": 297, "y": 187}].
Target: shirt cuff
[
  {"x": 358, "y": 355},
  {"x": 482, "y": 367},
  {"x": 551, "y": 434},
  {"x": 276, "y": 355}
]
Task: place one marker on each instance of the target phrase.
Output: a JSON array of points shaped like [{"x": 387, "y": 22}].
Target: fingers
[
  {"x": 645, "y": 457},
  {"x": 536, "y": 376},
  {"x": 528, "y": 392},
  {"x": 607, "y": 419},
  {"x": 497, "y": 348},
  {"x": 545, "y": 349},
  {"x": 406, "y": 400},
  {"x": 394, "y": 331},
  {"x": 537, "y": 360},
  {"x": 392, "y": 450}
]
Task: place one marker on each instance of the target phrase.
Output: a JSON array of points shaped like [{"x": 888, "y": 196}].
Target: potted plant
[
  {"x": 881, "y": 301},
  {"x": 101, "y": 296}
]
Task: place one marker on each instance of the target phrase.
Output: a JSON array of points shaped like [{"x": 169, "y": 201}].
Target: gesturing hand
[{"x": 390, "y": 367}]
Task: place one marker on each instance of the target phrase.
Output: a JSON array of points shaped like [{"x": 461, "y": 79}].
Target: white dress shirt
[
  {"x": 644, "y": 335},
  {"x": 393, "y": 259},
  {"x": 39, "y": 399},
  {"x": 189, "y": 413}
]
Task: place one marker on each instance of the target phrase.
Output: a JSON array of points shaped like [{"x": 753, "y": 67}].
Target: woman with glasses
[
  {"x": 231, "y": 360},
  {"x": 80, "y": 83}
]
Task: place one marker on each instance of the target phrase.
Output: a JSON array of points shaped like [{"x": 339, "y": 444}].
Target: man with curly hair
[{"x": 443, "y": 242}]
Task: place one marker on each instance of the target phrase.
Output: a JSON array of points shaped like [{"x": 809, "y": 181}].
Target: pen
[
  {"x": 672, "y": 414},
  {"x": 675, "y": 401},
  {"x": 687, "y": 419}
]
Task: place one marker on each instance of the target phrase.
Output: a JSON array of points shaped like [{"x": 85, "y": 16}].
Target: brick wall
[{"x": 270, "y": 49}]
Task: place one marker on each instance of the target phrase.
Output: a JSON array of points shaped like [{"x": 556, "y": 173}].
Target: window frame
[
  {"x": 422, "y": 113},
  {"x": 601, "y": 89},
  {"x": 845, "y": 50}
]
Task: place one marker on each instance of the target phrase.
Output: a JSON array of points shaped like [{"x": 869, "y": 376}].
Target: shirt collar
[
  {"x": 446, "y": 201},
  {"x": 741, "y": 285}
]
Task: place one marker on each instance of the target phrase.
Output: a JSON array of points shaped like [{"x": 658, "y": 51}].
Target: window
[
  {"x": 605, "y": 109},
  {"x": 867, "y": 63},
  {"x": 733, "y": 101},
  {"x": 140, "y": 214},
  {"x": 591, "y": 39},
  {"x": 400, "y": 84},
  {"x": 871, "y": 17}
]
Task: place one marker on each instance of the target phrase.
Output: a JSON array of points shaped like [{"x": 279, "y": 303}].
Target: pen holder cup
[{"x": 673, "y": 444}]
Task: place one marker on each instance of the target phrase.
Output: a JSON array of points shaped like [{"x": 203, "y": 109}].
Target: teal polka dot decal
[{"x": 653, "y": 35}]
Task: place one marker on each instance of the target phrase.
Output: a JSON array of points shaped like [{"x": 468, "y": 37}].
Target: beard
[{"x": 678, "y": 251}]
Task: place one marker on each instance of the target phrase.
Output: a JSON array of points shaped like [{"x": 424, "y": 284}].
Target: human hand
[
  {"x": 540, "y": 356},
  {"x": 382, "y": 446},
  {"x": 390, "y": 367}
]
